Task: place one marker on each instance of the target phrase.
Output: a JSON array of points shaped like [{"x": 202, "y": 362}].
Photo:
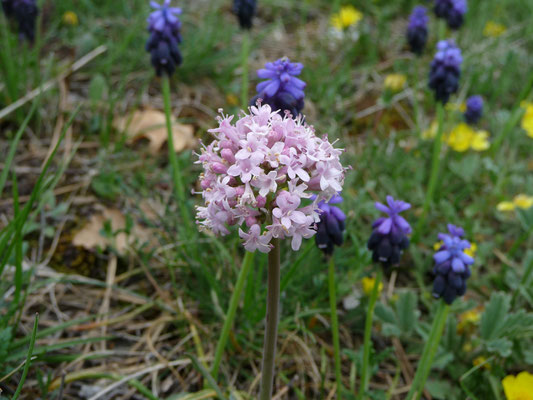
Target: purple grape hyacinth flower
[
  {"x": 331, "y": 225},
  {"x": 452, "y": 265},
  {"x": 245, "y": 11},
  {"x": 445, "y": 70},
  {"x": 164, "y": 27},
  {"x": 389, "y": 237},
  {"x": 452, "y": 11},
  {"x": 417, "y": 30},
  {"x": 281, "y": 90},
  {"x": 25, "y": 13},
  {"x": 474, "y": 109}
]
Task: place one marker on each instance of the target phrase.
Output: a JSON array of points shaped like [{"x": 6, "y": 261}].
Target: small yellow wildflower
[
  {"x": 480, "y": 141},
  {"x": 431, "y": 132},
  {"x": 471, "y": 251},
  {"x": 438, "y": 245},
  {"x": 523, "y": 201},
  {"x": 518, "y": 387},
  {"x": 70, "y": 18},
  {"x": 460, "y": 137},
  {"x": 461, "y": 107},
  {"x": 527, "y": 119},
  {"x": 368, "y": 285},
  {"x": 346, "y": 17},
  {"x": 395, "y": 82},
  {"x": 506, "y": 206},
  {"x": 480, "y": 360},
  {"x": 468, "y": 320},
  {"x": 493, "y": 29}
]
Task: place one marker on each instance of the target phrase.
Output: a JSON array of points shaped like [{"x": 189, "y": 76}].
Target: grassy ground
[{"x": 141, "y": 317}]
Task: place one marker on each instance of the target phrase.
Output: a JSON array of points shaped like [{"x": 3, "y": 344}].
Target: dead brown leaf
[{"x": 150, "y": 124}]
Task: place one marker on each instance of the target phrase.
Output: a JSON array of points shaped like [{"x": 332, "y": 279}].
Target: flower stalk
[
  {"x": 244, "y": 65},
  {"x": 368, "y": 331},
  {"x": 272, "y": 317},
  {"x": 335, "y": 325}
]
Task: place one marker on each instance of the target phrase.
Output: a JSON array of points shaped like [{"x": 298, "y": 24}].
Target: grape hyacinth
[
  {"x": 282, "y": 90},
  {"x": 25, "y": 13},
  {"x": 417, "y": 30},
  {"x": 451, "y": 265},
  {"x": 259, "y": 171},
  {"x": 452, "y": 11},
  {"x": 164, "y": 27},
  {"x": 474, "y": 109},
  {"x": 331, "y": 225},
  {"x": 445, "y": 70},
  {"x": 389, "y": 237},
  {"x": 245, "y": 11}
]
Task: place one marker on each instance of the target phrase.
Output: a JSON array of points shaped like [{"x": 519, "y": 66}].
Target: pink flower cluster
[{"x": 260, "y": 174}]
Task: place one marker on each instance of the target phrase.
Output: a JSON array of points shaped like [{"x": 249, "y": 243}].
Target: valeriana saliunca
[
  {"x": 453, "y": 11},
  {"x": 164, "y": 27},
  {"x": 417, "y": 30},
  {"x": 245, "y": 11},
  {"x": 452, "y": 265},
  {"x": 25, "y": 13},
  {"x": 331, "y": 225},
  {"x": 282, "y": 90},
  {"x": 260, "y": 174},
  {"x": 445, "y": 70},
  {"x": 389, "y": 237},
  {"x": 474, "y": 109}
]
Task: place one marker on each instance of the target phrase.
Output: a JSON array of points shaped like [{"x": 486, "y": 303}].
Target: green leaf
[
  {"x": 501, "y": 346},
  {"x": 385, "y": 313},
  {"x": 406, "y": 311},
  {"x": 495, "y": 315},
  {"x": 5, "y": 340}
]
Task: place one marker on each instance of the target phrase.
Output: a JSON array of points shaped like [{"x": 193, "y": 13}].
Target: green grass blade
[{"x": 28, "y": 359}]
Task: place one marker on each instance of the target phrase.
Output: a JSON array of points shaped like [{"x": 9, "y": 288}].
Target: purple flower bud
[
  {"x": 474, "y": 109},
  {"x": 445, "y": 70},
  {"x": 245, "y": 11},
  {"x": 417, "y": 30},
  {"x": 452, "y": 11},
  {"x": 25, "y": 13},
  {"x": 331, "y": 225}
]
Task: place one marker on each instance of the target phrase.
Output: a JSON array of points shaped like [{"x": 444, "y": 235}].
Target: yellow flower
[
  {"x": 461, "y": 107},
  {"x": 395, "y": 82},
  {"x": 527, "y": 119},
  {"x": 472, "y": 250},
  {"x": 468, "y": 320},
  {"x": 480, "y": 360},
  {"x": 368, "y": 285},
  {"x": 506, "y": 206},
  {"x": 460, "y": 137},
  {"x": 70, "y": 18},
  {"x": 480, "y": 141},
  {"x": 431, "y": 132},
  {"x": 437, "y": 245},
  {"x": 346, "y": 17},
  {"x": 523, "y": 201},
  {"x": 493, "y": 29},
  {"x": 518, "y": 387}
]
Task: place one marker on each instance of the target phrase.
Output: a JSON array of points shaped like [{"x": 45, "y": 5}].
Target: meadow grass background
[{"x": 170, "y": 292}]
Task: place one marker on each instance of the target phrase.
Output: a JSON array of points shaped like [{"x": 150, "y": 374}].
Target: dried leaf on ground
[{"x": 150, "y": 124}]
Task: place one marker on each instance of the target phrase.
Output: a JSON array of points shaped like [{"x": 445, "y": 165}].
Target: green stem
[
  {"x": 435, "y": 165},
  {"x": 430, "y": 349},
  {"x": 368, "y": 331},
  {"x": 174, "y": 162},
  {"x": 230, "y": 316},
  {"x": 244, "y": 61},
  {"x": 271, "y": 330},
  {"x": 335, "y": 326}
]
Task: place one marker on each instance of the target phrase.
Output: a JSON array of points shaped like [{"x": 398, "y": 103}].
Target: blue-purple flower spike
[
  {"x": 453, "y": 11},
  {"x": 331, "y": 225},
  {"x": 25, "y": 13},
  {"x": 245, "y": 11},
  {"x": 389, "y": 237},
  {"x": 417, "y": 30},
  {"x": 164, "y": 27},
  {"x": 474, "y": 109},
  {"x": 452, "y": 265},
  {"x": 445, "y": 70},
  {"x": 281, "y": 90}
]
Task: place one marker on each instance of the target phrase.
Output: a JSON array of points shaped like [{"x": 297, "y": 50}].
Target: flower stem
[
  {"x": 177, "y": 179},
  {"x": 430, "y": 349},
  {"x": 435, "y": 165},
  {"x": 230, "y": 316},
  {"x": 272, "y": 316},
  {"x": 335, "y": 326},
  {"x": 245, "y": 78},
  {"x": 368, "y": 331}
]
